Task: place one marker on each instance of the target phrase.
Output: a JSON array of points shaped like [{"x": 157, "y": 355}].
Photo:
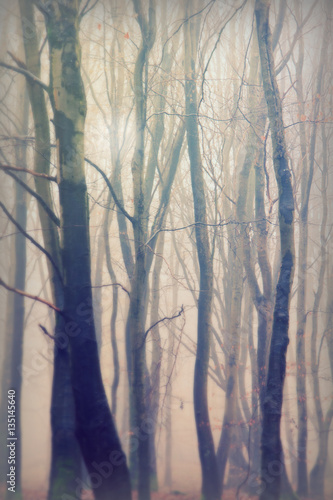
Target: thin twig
[
  {"x": 46, "y": 332},
  {"x": 167, "y": 318},
  {"x": 193, "y": 224},
  {"x": 113, "y": 284}
]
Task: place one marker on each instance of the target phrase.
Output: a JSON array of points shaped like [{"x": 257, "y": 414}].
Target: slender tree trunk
[
  {"x": 232, "y": 364},
  {"x": 271, "y": 447},
  {"x": 210, "y": 478},
  {"x": 97, "y": 294},
  {"x": 156, "y": 355},
  {"x": 113, "y": 321},
  {"x": 302, "y": 472},
  {"x": 17, "y": 330},
  {"x": 5, "y": 377},
  {"x": 317, "y": 474},
  {"x": 168, "y": 393}
]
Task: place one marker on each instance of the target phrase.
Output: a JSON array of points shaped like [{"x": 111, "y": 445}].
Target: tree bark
[
  {"x": 65, "y": 455},
  {"x": 210, "y": 479},
  {"x": 271, "y": 447},
  {"x": 17, "y": 330},
  {"x": 95, "y": 429},
  {"x": 137, "y": 309},
  {"x": 317, "y": 474},
  {"x": 302, "y": 469}
]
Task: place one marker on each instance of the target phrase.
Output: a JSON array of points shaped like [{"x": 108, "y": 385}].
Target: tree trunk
[
  {"x": 232, "y": 364},
  {"x": 17, "y": 329},
  {"x": 302, "y": 469},
  {"x": 113, "y": 320},
  {"x": 137, "y": 309},
  {"x": 95, "y": 429},
  {"x": 318, "y": 472},
  {"x": 65, "y": 456},
  {"x": 271, "y": 465},
  {"x": 154, "y": 400},
  {"x": 168, "y": 391},
  {"x": 210, "y": 478}
]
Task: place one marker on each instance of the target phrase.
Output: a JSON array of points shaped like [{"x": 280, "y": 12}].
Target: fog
[{"x": 161, "y": 115}]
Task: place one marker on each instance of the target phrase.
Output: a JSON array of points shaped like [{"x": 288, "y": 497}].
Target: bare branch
[
  {"x": 113, "y": 284},
  {"x": 29, "y": 296},
  {"x": 40, "y": 200},
  {"x": 33, "y": 241},
  {"x": 296, "y": 37},
  {"x": 109, "y": 185},
  {"x": 167, "y": 318},
  {"x": 214, "y": 48},
  {"x": 193, "y": 224},
  {"x": 27, "y": 74},
  {"x": 87, "y": 9},
  {"x": 31, "y": 172}
]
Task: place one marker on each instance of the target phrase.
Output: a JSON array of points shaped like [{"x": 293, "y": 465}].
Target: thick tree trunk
[
  {"x": 95, "y": 429},
  {"x": 210, "y": 478},
  {"x": 65, "y": 455},
  {"x": 271, "y": 460}
]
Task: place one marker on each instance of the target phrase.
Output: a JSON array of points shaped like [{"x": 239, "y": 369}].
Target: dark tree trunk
[
  {"x": 65, "y": 455},
  {"x": 271, "y": 460},
  {"x": 95, "y": 429}
]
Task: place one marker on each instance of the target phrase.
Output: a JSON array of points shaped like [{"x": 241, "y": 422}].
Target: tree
[
  {"x": 271, "y": 441},
  {"x": 210, "y": 478},
  {"x": 95, "y": 429},
  {"x": 65, "y": 455}
]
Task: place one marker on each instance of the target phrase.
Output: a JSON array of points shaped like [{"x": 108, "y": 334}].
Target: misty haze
[{"x": 166, "y": 203}]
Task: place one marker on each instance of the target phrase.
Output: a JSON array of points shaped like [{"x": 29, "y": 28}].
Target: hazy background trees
[{"x": 176, "y": 206}]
